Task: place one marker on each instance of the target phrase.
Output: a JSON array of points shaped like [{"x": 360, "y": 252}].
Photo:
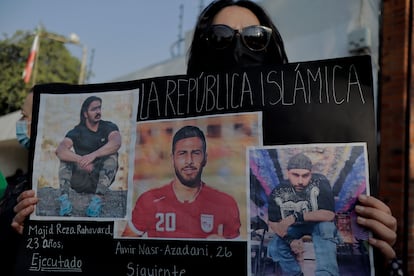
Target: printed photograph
[
  {"x": 83, "y": 155},
  {"x": 302, "y": 218},
  {"x": 190, "y": 178}
]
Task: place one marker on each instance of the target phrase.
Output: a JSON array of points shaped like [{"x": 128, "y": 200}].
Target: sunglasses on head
[{"x": 255, "y": 38}]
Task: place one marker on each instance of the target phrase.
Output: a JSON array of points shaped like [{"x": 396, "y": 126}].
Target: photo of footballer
[{"x": 193, "y": 204}]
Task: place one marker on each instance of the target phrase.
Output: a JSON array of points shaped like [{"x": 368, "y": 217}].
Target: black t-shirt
[
  {"x": 86, "y": 141},
  {"x": 284, "y": 200}
]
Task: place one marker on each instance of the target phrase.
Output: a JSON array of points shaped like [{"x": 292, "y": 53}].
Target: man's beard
[
  {"x": 301, "y": 192},
  {"x": 191, "y": 183},
  {"x": 95, "y": 120}
]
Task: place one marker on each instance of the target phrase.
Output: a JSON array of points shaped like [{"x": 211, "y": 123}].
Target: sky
[{"x": 120, "y": 36}]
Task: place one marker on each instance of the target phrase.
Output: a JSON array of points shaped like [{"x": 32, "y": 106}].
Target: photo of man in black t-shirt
[
  {"x": 88, "y": 158},
  {"x": 303, "y": 205}
]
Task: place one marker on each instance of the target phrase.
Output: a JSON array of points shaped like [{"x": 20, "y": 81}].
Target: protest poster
[{"x": 326, "y": 104}]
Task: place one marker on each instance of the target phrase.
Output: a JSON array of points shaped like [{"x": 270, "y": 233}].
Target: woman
[
  {"x": 224, "y": 39},
  {"x": 230, "y": 35},
  {"x": 213, "y": 48}
]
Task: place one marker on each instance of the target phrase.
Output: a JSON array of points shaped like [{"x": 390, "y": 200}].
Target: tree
[{"x": 54, "y": 63}]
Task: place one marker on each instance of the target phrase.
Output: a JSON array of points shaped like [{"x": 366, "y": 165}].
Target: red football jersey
[{"x": 159, "y": 213}]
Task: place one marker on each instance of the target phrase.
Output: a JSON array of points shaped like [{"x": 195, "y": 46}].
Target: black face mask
[{"x": 235, "y": 57}]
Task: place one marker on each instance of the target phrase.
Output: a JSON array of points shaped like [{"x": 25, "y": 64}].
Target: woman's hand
[
  {"x": 26, "y": 202},
  {"x": 377, "y": 217}
]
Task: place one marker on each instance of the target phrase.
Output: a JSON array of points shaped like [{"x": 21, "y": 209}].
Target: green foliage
[{"x": 55, "y": 63}]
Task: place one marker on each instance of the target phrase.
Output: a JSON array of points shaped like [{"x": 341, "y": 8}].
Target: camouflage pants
[{"x": 97, "y": 181}]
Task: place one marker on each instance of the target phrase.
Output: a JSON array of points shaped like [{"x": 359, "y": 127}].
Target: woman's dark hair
[
  {"x": 85, "y": 105},
  {"x": 201, "y": 58}
]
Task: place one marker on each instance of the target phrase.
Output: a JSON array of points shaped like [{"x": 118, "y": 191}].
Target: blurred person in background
[{"x": 10, "y": 240}]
